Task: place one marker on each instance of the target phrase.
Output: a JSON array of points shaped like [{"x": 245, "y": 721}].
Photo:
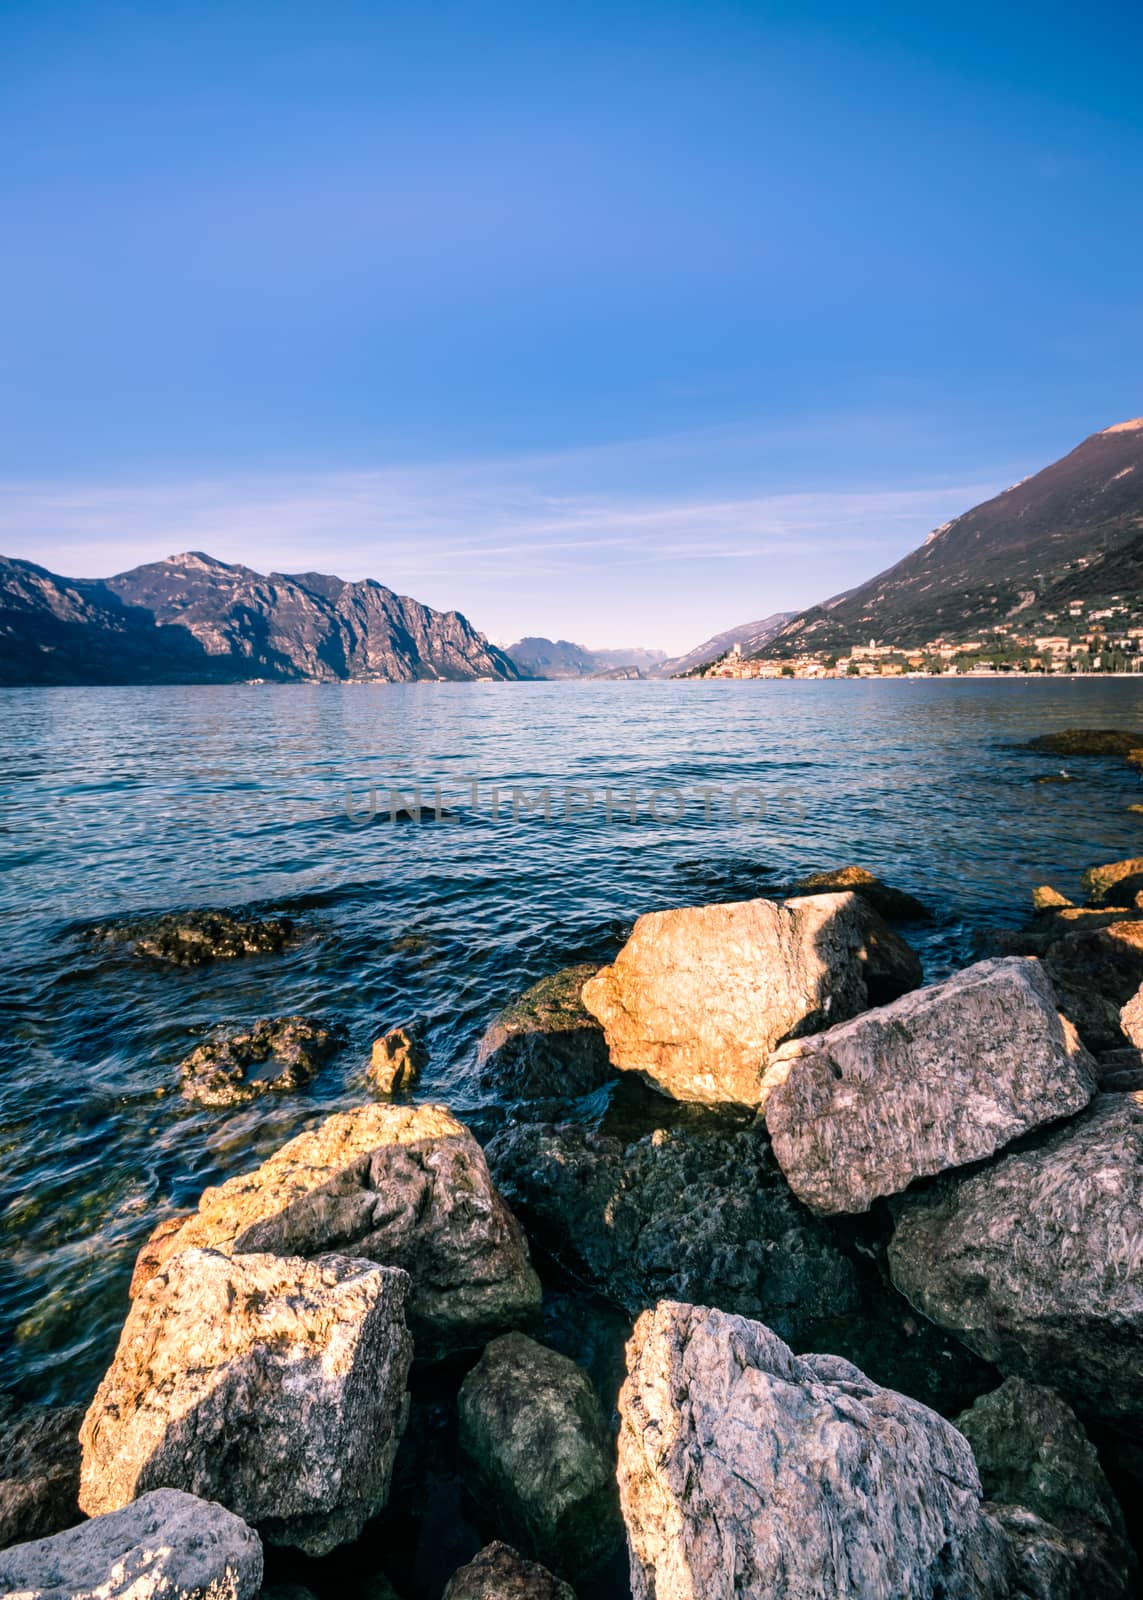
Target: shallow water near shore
[{"x": 119, "y": 802}]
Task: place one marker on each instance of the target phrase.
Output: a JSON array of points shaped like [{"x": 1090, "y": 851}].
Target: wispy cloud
[{"x": 556, "y": 543}]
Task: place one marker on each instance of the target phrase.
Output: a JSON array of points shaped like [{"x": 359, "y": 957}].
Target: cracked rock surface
[
  {"x": 406, "y": 1186},
  {"x": 937, "y": 1079},
  {"x": 276, "y": 1386},
  {"x": 1035, "y": 1259},
  {"x": 164, "y": 1546}
]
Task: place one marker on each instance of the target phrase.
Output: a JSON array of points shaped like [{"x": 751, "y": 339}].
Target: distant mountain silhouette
[
  {"x": 751, "y": 636},
  {"x": 559, "y": 658},
  {"x": 192, "y": 619}
]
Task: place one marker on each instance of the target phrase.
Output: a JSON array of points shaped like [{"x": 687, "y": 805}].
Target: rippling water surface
[{"x": 122, "y": 801}]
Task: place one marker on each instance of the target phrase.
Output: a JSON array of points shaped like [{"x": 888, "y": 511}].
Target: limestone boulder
[
  {"x": 1036, "y": 1260},
  {"x": 698, "y": 998},
  {"x": 895, "y": 905},
  {"x": 39, "y": 1470},
  {"x": 397, "y": 1060},
  {"x": 1032, "y": 1451},
  {"x": 939, "y": 1078},
  {"x": 499, "y": 1573},
  {"x": 546, "y": 1044},
  {"x": 1116, "y": 883},
  {"x": 274, "y": 1385},
  {"x": 164, "y": 1546},
  {"x": 406, "y": 1186},
  {"x": 538, "y": 1454},
  {"x": 1097, "y": 971},
  {"x": 748, "y": 1473}
]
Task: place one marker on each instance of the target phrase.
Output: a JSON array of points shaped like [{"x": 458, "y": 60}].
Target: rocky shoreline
[{"x": 877, "y": 1262}]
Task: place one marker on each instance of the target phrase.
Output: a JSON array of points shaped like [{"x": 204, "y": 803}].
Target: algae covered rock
[
  {"x": 274, "y": 1385},
  {"x": 746, "y": 1473},
  {"x": 164, "y": 1546},
  {"x": 699, "y": 997},
  {"x": 276, "y": 1056},
  {"x": 191, "y": 938},
  {"x": 940, "y": 1078},
  {"x": 499, "y": 1573},
  {"x": 1087, "y": 742},
  {"x": 546, "y": 1044},
  {"x": 406, "y": 1186},
  {"x": 1036, "y": 1260},
  {"x": 1032, "y": 1451},
  {"x": 538, "y": 1454},
  {"x": 39, "y": 1470},
  {"x": 705, "y": 1214}
]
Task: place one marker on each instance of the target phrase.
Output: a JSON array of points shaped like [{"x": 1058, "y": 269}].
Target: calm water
[{"x": 121, "y": 801}]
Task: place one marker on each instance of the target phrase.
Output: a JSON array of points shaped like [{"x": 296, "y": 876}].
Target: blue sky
[{"x": 619, "y": 322}]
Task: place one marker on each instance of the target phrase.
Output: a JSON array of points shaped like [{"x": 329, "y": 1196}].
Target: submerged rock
[
  {"x": 164, "y": 1546},
  {"x": 499, "y": 1573},
  {"x": 546, "y": 1044},
  {"x": 698, "y": 998},
  {"x": 39, "y": 1470},
  {"x": 276, "y": 1386},
  {"x": 1115, "y": 884},
  {"x": 397, "y": 1060},
  {"x": 939, "y": 1078},
  {"x": 277, "y": 1056},
  {"x": 1034, "y": 1260},
  {"x": 747, "y": 1473},
  {"x": 703, "y": 1214},
  {"x": 1086, "y": 742},
  {"x": 895, "y": 905},
  {"x": 1031, "y": 1450},
  {"x": 407, "y": 1186},
  {"x": 538, "y": 1454},
  {"x": 190, "y": 938}
]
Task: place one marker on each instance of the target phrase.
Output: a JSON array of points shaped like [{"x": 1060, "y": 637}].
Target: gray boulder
[
  {"x": 546, "y": 1044},
  {"x": 941, "y": 1077},
  {"x": 748, "y": 1473},
  {"x": 895, "y": 905},
  {"x": 164, "y": 1546},
  {"x": 407, "y": 1186},
  {"x": 276, "y": 1386},
  {"x": 39, "y": 1470},
  {"x": 1035, "y": 1260},
  {"x": 499, "y": 1573},
  {"x": 538, "y": 1454},
  {"x": 699, "y": 997},
  {"x": 1031, "y": 1451}
]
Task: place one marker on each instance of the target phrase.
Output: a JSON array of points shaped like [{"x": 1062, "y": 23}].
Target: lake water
[{"x": 121, "y": 801}]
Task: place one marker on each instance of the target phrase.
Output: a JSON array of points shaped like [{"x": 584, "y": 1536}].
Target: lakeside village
[{"x": 1108, "y": 639}]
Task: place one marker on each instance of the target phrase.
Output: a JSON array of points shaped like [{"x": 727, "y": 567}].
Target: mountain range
[
  {"x": 1070, "y": 533},
  {"x": 559, "y": 658},
  {"x": 193, "y": 619}
]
